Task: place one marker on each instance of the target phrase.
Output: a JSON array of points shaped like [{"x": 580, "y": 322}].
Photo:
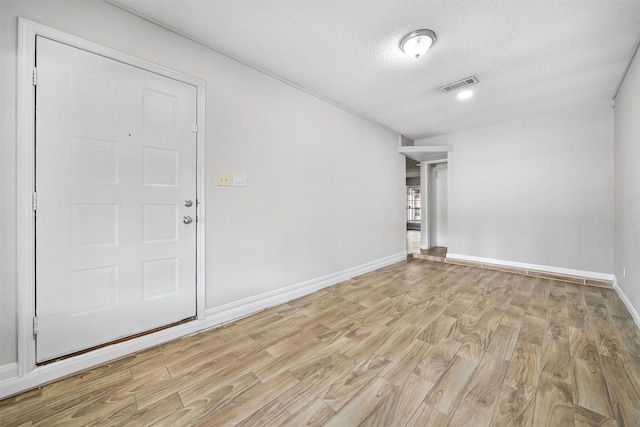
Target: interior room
[{"x": 267, "y": 212}]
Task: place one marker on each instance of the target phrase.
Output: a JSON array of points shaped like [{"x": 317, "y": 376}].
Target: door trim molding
[
  {"x": 427, "y": 202},
  {"x": 27, "y": 32}
]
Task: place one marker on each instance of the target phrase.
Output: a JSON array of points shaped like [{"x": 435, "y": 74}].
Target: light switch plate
[
  {"x": 224, "y": 179},
  {"x": 240, "y": 179}
]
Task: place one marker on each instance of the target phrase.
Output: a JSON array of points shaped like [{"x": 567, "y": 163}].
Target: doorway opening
[
  {"x": 413, "y": 205},
  {"x": 437, "y": 204},
  {"x": 427, "y": 207}
]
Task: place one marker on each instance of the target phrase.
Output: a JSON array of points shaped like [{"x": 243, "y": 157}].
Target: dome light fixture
[
  {"x": 465, "y": 94},
  {"x": 416, "y": 43}
]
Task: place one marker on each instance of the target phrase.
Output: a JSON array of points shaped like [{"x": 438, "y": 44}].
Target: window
[{"x": 413, "y": 203}]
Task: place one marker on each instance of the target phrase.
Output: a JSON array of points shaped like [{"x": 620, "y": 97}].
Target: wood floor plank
[
  {"x": 516, "y": 404},
  {"x": 300, "y": 339},
  {"x": 617, "y": 309},
  {"x": 315, "y": 414},
  {"x": 361, "y": 349},
  {"x": 557, "y": 300},
  {"x": 554, "y": 403},
  {"x": 186, "y": 416},
  {"x": 532, "y": 329},
  {"x": 417, "y": 343},
  {"x": 437, "y": 330},
  {"x": 590, "y": 387},
  {"x": 132, "y": 416},
  {"x": 68, "y": 406},
  {"x": 447, "y": 392},
  {"x": 610, "y": 344},
  {"x": 587, "y": 418},
  {"x": 273, "y": 413},
  {"x": 218, "y": 396},
  {"x": 624, "y": 389},
  {"x": 145, "y": 384},
  {"x": 197, "y": 384},
  {"x": 484, "y": 386},
  {"x": 266, "y": 338},
  {"x": 400, "y": 404},
  {"x": 296, "y": 358},
  {"x": 363, "y": 404},
  {"x": 244, "y": 405},
  {"x": 491, "y": 319},
  {"x": 513, "y": 316},
  {"x": 524, "y": 367},
  {"x": 481, "y": 393},
  {"x": 503, "y": 342},
  {"x": 426, "y": 415},
  {"x": 556, "y": 328},
  {"x": 183, "y": 365},
  {"x": 630, "y": 335},
  {"x": 396, "y": 343},
  {"x": 309, "y": 388},
  {"x": 86, "y": 412},
  {"x": 456, "y": 308},
  {"x": 556, "y": 360},
  {"x": 537, "y": 308},
  {"x": 346, "y": 386},
  {"x": 463, "y": 327},
  {"x": 576, "y": 310},
  {"x": 475, "y": 345},
  {"x": 521, "y": 298},
  {"x": 437, "y": 360},
  {"x": 163, "y": 354},
  {"x": 540, "y": 289},
  {"x": 597, "y": 309},
  {"x": 400, "y": 367},
  {"x": 479, "y": 306},
  {"x": 583, "y": 344}
]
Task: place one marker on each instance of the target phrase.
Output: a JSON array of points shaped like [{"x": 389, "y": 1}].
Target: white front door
[{"x": 115, "y": 189}]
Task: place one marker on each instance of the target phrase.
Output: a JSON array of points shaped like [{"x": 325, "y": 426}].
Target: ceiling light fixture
[
  {"x": 465, "y": 94},
  {"x": 416, "y": 43}
]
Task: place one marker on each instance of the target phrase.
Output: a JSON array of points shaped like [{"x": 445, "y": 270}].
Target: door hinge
[
  {"x": 35, "y": 76},
  {"x": 35, "y": 326},
  {"x": 34, "y": 201},
  {"x": 194, "y": 128}
]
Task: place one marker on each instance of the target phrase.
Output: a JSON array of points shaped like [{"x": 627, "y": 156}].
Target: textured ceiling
[{"x": 531, "y": 56}]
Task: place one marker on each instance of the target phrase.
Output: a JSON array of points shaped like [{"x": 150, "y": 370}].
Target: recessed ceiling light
[
  {"x": 416, "y": 43},
  {"x": 465, "y": 94}
]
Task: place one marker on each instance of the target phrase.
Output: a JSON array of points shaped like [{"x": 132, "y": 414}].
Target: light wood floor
[
  {"x": 413, "y": 246},
  {"x": 415, "y": 344},
  {"x": 413, "y": 242}
]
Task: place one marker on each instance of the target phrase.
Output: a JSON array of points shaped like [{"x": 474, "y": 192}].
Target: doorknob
[{"x": 187, "y": 220}]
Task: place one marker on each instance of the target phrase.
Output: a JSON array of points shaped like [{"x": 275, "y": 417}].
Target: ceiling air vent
[{"x": 460, "y": 83}]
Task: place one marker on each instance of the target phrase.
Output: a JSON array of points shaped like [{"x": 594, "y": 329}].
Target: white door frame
[
  {"x": 427, "y": 204},
  {"x": 26, "y": 362}
]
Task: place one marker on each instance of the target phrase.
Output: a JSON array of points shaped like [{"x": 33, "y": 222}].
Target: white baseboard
[
  {"x": 11, "y": 384},
  {"x": 627, "y": 303},
  {"x": 8, "y": 371},
  {"x": 538, "y": 267},
  {"x": 247, "y": 306}
]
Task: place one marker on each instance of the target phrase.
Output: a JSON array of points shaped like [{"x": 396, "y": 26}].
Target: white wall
[
  {"x": 537, "y": 190},
  {"x": 627, "y": 185},
  {"x": 434, "y": 140},
  {"x": 325, "y": 188}
]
